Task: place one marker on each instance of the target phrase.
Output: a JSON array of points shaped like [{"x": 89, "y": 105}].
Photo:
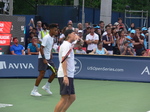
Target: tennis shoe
[
  {"x": 35, "y": 93},
  {"x": 47, "y": 89}
]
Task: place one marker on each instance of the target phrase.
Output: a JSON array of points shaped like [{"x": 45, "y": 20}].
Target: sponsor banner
[
  {"x": 5, "y": 27},
  {"x": 5, "y": 39},
  {"x": 86, "y": 67}
]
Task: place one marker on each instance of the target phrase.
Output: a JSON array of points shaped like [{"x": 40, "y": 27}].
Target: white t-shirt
[
  {"x": 47, "y": 42},
  {"x": 62, "y": 36},
  {"x": 64, "y": 48},
  {"x": 92, "y": 37},
  {"x": 105, "y": 33}
]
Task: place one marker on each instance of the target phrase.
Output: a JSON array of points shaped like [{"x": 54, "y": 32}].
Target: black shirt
[{"x": 109, "y": 47}]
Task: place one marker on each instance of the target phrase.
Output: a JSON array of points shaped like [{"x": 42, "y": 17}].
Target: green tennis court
[{"x": 92, "y": 96}]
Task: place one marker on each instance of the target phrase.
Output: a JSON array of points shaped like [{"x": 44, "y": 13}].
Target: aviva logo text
[{"x": 4, "y": 65}]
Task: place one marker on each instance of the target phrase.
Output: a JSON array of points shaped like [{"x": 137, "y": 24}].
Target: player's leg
[
  {"x": 42, "y": 68},
  {"x": 63, "y": 101},
  {"x": 39, "y": 78},
  {"x": 72, "y": 95},
  {"x": 46, "y": 87},
  {"x": 67, "y": 95},
  {"x": 69, "y": 102}
]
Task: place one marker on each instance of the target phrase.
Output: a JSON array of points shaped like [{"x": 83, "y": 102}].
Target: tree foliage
[{"x": 26, "y": 6}]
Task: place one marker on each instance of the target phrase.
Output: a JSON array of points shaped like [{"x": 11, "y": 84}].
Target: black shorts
[
  {"x": 66, "y": 90},
  {"x": 42, "y": 66}
]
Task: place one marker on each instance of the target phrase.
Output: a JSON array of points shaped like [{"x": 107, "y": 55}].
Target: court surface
[{"x": 92, "y": 96}]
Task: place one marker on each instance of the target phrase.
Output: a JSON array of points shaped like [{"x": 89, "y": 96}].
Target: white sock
[
  {"x": 35, "y": 88},
  {"x": 47, "y": 84}
]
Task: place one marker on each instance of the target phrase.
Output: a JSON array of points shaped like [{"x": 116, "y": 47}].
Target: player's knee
[
  {"x": 64, "y": 97},
  {"x": 42, "y": 73},
  {"x": 73, "y": 98}
]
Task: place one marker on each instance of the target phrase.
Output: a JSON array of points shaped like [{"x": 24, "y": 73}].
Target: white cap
[
  {"x": 80, "y": 31},
  {"x": 116, "y": 23}
]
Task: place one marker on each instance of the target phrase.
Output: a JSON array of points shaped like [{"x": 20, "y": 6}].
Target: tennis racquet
[{"x": 52, "y": 68}]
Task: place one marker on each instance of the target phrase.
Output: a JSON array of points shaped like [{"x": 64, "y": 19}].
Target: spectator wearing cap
[
  {"x": 138, "y": 41},
  {"x": 80, "y": 41},
  {"x": 44, "y": 32},
  {"x": 126, "y": 50},
  {"x": 117, "y": 26},
  {"x": 132, "y": 27},
  {"x": 144, "y": 32},
  {"x": 130, "y": 36},
  {"x": 91, "y": 40},
  {"x": 16, "y": 48},
  {"x": 80, "y": 50},
  {"x": 80, "y": 33},
  {"x": 108, "y": 41},
  {"x": 33, "y": 48},
  {"x": 98, "y": 32}
]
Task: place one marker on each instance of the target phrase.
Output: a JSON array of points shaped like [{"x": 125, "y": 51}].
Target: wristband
[
  {"x": 43, "y": 56},
  {"x": 65, "y": 76}
]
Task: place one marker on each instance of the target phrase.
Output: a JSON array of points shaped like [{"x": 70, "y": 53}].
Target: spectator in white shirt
[{"x": 92, "y": 40}]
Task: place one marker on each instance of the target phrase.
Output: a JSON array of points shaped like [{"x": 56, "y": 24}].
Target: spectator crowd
[{"x": 100, "y": 39}]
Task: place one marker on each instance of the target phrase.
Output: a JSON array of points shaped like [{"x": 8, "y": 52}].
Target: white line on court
[{"x": 5, "y": 105}]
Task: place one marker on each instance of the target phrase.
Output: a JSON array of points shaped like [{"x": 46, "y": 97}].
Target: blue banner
[{"x": 86, "y": 67}]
